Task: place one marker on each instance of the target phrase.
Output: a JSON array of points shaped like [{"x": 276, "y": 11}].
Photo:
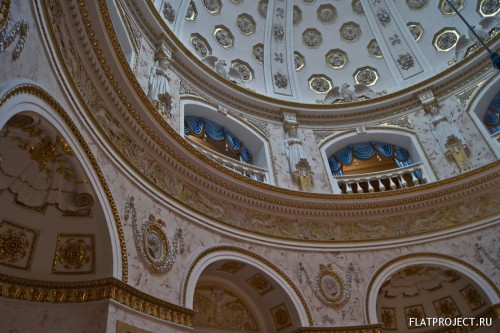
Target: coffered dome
[{"x": 323, "y": 52}]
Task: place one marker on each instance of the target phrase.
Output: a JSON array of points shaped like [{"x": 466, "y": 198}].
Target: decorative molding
[
  {"x": 17, "y": 245},
  {"x": 75, "y": 254},
  {"x": 21, "y": 28},
  {"x": 90, "y": 291}
]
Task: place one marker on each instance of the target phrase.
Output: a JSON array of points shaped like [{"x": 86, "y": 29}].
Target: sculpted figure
[
  {"x": 297, "y": 157},
  {"x": 158, "y": 86}
]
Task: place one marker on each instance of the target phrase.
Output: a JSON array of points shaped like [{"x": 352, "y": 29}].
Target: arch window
[
  {"x": 492, "y": 116},
  {"x": 366, "y": 167}
]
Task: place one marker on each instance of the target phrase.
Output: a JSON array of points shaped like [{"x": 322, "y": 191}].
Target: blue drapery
[
  {"x": 198, "y": 126},
  {"x": 366, "y": 150},
  {"x": 492, "y": 120},
  {"x": 495, "y": 103}
]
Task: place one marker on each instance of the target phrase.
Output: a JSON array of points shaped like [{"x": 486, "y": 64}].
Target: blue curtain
[
  {"x": 197, "y": 126},
  {"x": 383, "y": 148},
  {"x": 344, "y": 156},
  {"x": 335, "y": 166},
  {"x": 363, "y": 150},
  {"x": 495, "y": 103}
]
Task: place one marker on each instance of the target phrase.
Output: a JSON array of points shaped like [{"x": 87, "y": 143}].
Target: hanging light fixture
[{"x": 495, "y": 57}]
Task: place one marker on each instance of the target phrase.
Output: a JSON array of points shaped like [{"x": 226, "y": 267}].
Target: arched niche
[
  {"x": 56, "y": 210},
  {"x": 477, "y": 111},
  {"x": 232, "y": 274},
  {"x": 399, "y": 137},
  {"x": 427, "y": 285},
  {"x": 253, "y": 140}
]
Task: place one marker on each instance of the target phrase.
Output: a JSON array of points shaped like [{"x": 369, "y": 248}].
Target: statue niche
[{"x": 158, "y": 86}]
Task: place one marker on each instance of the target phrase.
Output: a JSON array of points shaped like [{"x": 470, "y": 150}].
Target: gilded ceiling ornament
[
  {"x": 281, "y": 317},
  {"x": 403, "y": 122},
  {"x": 231, "y": 267},
  {"x": 169, "y": 12},
  {"x": 374, "y": 49},
  {"x": 75, "y": 254},
  {"x": 320, "y": 84},
  {"x": 416, "y": 4},
  {"x": 246, "y": 72},
  {"x": 326, "y": 13},
  {"x": 280, "y": 80},
  {"x": 312, "y": 37},
  {"x": 219, "y": 309},
  {"x": 299, "y": 61},
  {"x": 258, "y": 53},
  {"x": 367, "y": 76},
  {"x": 388, "y": 318},
  {"x": 350, "y": 31},
  {"x": 84, "y": 200},
  {"x": 297, "y": 15},
  {"x": 488, "y": 8},
  {"x": 383, "y": 17},
  {"x": 262, "y": 7},
  {"x": 200, "y": 45},
  {"x": 327, "y": 285},
  {"x": 406, "y": 61},
  {"x": 223, "y": 36},
  {"x": 213, "y": 6},
  {"x": 151, "y": 241},
  {"x": 414, "y": 311},
  {"x": 246, "y": 24},
  {"x": 20, "y": 28},
  {"x": 447, "y": 10},
  {"x": 357, "y": 7},
  {"x": 446, "y": 39},
  {"x": 446, "y": 308},
  {"x": 416, "y": 30},
  {"x": 472, "y": 297},
  {"x": 260, "y": 284},
  {"x": 278, "y": 32},
  {"x": 336, "y": 59},
  {"x": 192, "y": 12},
  {"x": 17, "y": 244}
]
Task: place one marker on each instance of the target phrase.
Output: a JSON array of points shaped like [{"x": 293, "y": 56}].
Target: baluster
[
  {"x": 402, "y": 181},
  {"x": 414, "y": 179},
  {"x": 349, "y": 188},
  {"x": 392, "y": 184},
  {"x": 381, "y": 185},
  {"x": 370, "y": 187}
]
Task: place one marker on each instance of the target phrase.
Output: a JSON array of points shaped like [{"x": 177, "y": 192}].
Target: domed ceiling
[{"x": 319, "y": 51}]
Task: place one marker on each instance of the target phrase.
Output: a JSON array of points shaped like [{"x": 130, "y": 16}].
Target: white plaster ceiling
[{"x": 425, "y": 13}]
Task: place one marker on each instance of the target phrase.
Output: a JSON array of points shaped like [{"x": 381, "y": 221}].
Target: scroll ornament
[{"x": 151, "y": 242}]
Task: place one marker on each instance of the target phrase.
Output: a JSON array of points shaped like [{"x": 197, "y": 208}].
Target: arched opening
[
  {"x": 52, "y": 226},
  {"x": 376, "y": 161},
  {"x": 413, "y": 293},
  {"x": 235, "y": 296},
  {"x": 226, "y": 140}
]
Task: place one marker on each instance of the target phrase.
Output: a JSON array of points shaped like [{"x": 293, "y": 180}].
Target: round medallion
[
  {"x": 246, "y": 72},
  {"x": 320, "y": 84},
  {"x": 367, "y": 76},
  {"x": 200, "y": 45},
  {"x": 246, "y": 24},
  {"x": 336, "y": 59},
  {"x": 447, "y": 10},
  {"x": 446, "y": 39},
  {"x": 213, "y": 6},
  {"x": 299, "y": 60},
  {"x": 357, "y": 7},
  {"x": 223, "y": 36},
  {"x": 330, "y": 286},
  {"x": 326, "y": 13},
  {"x": 350, "y": 31},
  {"x": 155, "y": 244},
  {"x": 416, "y": 4},
  {"x": 258, "y": 53},
  {"x": 312, "y": 37},
  {"x": 169, "y": 12},
  {"x": 374, "y": 49},
  {"x": 416, "y": 30},
  {"x": 488, "y": 7},
  {"x": 12, "y": 246}
]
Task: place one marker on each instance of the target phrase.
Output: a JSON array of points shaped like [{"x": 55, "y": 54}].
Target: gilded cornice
[
  {"x": 91, "y": 291},
  {"x": 263, "y": 203},
  {"x": 30, "y": 89},
  {"x": 255, "y": 256},
  {"x": 424, "y": 255}
]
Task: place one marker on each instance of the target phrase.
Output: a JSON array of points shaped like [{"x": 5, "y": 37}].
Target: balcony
[
  {"x": 382, "y": 181},
  {"x": 245, "y": 169}
]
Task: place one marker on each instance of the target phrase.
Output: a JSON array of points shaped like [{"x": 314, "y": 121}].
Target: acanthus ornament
[
  {"x": 406, "y": 61},
  {"x": 327, "y": 285},
  {"x": 383, "y": 17},
  {"x": 280, "y": 80},
  {"x": 151, "y": 242},
  {"x": 278, "y": 32}
]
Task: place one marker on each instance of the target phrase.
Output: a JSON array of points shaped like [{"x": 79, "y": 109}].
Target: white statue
[
  {"x": 443, "y": 130},
  {"x": 219, "y": 66},
  {"x": 297, "y": 157},
  {"x": 158, "y": 86},
  {"x": 464, "y": 43}
]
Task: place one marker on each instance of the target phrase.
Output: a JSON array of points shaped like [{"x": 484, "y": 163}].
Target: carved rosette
[
  {"x": 357, "y": 7},
  {"x": 17, "y": 245},
  {"x": 258, "y": 53},
  {"x": 446, "y": 9},
  {"x": 488, "y": 8},
  {"x": 445, "y": 39},
  {"x": 75, "y": 254},
  {"x": 326, "y": 13},
  {"x": 312, "y": 38},
  {"x": 416, "y": 4},
  {"x": 320, "y": 84},
  {"x": 367, "y": 76},
  {"x": 246, "y": 24},
  {"x": 223, "y": 36},
  {"x": 416, "y": 30},
  {"x": 213, "y": 6},
  {"x": 336, "y": 59},
  {"x": 350, "y": 31},
  {"x": 247, "y": 73},
  {"x": 200, "y": 45},
  {"x": 151, "y": 242},
  {"x": 278, "y": 44},
  {"x": 169, "y": 12}
]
